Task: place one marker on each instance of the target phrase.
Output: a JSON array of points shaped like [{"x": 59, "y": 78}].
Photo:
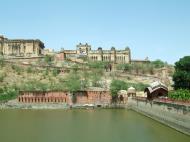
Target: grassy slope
[{"x": 14, "y": 78}]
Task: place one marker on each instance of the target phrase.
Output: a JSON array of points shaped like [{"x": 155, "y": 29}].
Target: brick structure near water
[{"x": 80, "y": 97}]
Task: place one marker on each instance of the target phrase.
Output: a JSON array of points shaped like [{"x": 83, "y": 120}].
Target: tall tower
[
  {"x": 127, "y": 49},
  {"x": 82, "y": 49},
  {"x": 113, "y": 55}
]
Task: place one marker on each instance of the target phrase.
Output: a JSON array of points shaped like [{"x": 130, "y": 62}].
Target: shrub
[
  {"x": 137, "y": 68},
  {"x": 49, "y": 59},
  {"x": 55, "y": 72},
  {"x": 97, "y": 65},
  {"x": 158, "y": 63},
  {"x": 124, "y": 67},
  {"x": 75, "y": 68},
  {"x": 8, "y": 93},
  {"x": 181, "y": 94},
  {"x": 29, "y": 70},
  {"x": 45, "y": 73},
  {"x": 2, "y": 62},
  {"x": 2, "y": 76},
  {"x": 17, "y": 69},
  {"x": 34, "y": 85}
]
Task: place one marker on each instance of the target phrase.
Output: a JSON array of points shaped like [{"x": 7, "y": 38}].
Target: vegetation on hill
[
  {"x": 16, "y": 77},
  {"x": 138, "y": 68},
  {"x": 48, "y": 59},
  {"x": 158, "y": 63}
]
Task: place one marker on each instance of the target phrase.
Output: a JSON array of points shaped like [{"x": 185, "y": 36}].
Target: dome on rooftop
[
  {"x": 122, "y": 92},
  {"x": 131, "y": 90}
]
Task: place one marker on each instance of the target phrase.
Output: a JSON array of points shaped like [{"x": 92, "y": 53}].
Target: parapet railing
[{"x": 164, "y": 100}]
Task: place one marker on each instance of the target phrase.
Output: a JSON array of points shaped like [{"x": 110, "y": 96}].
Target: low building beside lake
[{"x": 80, "y": 97}]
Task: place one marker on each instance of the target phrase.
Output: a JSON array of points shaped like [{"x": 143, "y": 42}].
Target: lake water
[{"x": 112, "y": 125}]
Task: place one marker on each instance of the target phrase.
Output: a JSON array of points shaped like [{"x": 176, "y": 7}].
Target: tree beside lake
[
  {"x": 181, "y": 76},
  {"x": 181, "y": 80}
]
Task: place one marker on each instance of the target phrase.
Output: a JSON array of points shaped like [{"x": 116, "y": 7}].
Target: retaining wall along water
[{"x": 174, "y": 115}]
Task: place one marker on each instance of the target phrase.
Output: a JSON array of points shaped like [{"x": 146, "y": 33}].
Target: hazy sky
[{"x": 153, "y": 28}]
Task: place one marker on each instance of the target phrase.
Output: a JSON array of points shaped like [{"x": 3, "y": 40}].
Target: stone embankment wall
[{"x": 174, "y": 115}]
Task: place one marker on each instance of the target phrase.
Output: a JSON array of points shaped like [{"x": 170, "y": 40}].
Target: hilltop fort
[{"x": 35, "y": 48}]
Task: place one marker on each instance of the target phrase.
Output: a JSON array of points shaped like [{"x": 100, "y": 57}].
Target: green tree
[
  {"x": 8, "y": 93},
  {"x": 181, "y": 75},
  {"x": 73, "y": 83},
  {"x": 85, "y": 75},
  {"x": 117, "y": 85},
  {"x": 96, "y": 76}
]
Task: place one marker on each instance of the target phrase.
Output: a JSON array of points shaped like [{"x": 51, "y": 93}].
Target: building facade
[
  {"x": 84, "y": 50},
  {"x": 21, "y": 47},
  {"x": 79, "y": 97}
]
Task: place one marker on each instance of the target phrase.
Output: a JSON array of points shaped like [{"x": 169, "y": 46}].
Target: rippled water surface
[{"x": 83, "y": 126}]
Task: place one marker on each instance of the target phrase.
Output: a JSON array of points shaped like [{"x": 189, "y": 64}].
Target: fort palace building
[
  {"x": 84, "y": 50},
  {"x": 32, "y": 48},
  {"x": 21, "y": 47}
]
